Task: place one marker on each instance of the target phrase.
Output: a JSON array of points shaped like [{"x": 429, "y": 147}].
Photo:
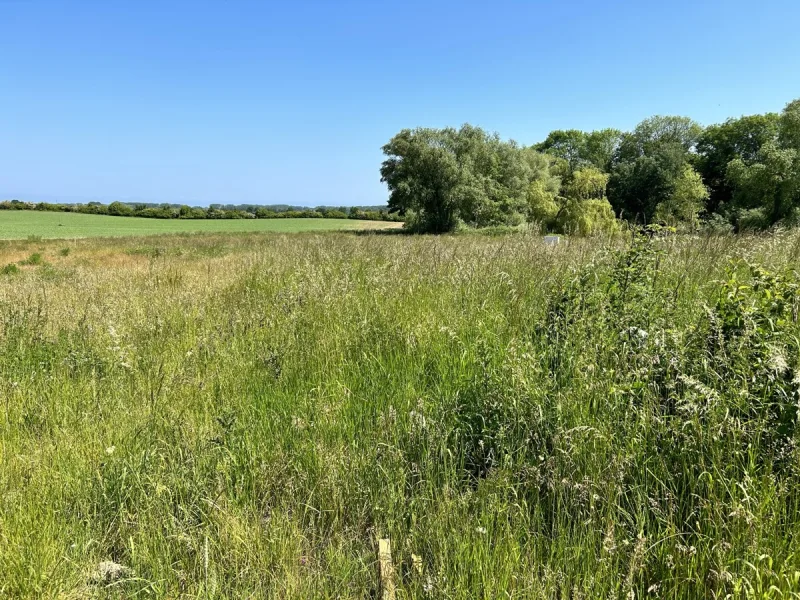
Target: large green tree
[
  {"x": 422, "y": 174},
  {"x": 446, "y": 176},
  {"x": 585, "y": 209},
  {"x": 637, "y": 186},
  {"x": 580, "y": 149},
  {"x": 581, "y": 207},
  {"x": 686, "y": 202},
  {"x": 655, "y": 133},
  {"x": 718, "y": 145},
  {"x": 648, "y": 164},
  {"x": 768, "y": 182}
]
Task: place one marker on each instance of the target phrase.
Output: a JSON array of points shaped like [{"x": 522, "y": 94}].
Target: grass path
[{"x": 22, "y": 224}]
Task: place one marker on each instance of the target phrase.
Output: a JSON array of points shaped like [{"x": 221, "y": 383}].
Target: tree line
[
  {"x": 742, "y": 174},
  {"x": 215, "y": 211}
]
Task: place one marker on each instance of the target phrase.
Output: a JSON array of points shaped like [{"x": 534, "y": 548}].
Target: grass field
[
  {"x": 243, "y": 416},
  {"x": 20, "y": 224}
]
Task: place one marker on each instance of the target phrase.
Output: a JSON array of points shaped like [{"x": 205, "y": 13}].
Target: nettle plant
[
  {"x": 732, "y": 371},
  {"x": 752, "y": 348}
]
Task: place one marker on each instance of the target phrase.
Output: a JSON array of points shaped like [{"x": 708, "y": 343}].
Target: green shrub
[
  {"x": 753, "y": 219},
  {"x": 716, "y": 224},
  {"x": 10, "y": 269},
  {"x": 119, "y": 209},
  {"x": 34, "y": 259}
]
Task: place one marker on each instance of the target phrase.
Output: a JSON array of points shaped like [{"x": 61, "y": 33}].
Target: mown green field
[
  {"x": 20, "y": 224},
  {"x": 219, "y": 416}
]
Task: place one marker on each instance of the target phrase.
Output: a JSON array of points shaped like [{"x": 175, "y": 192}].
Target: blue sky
[{"x": 290, "y": 102}]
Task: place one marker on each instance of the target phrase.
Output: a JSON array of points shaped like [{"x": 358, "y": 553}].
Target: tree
[
  {"x": 718, "y": 145},
  {"x": 542, "y": 205},
  {"x": 687, "y": 200},
  {"x": 771, "y": 184},
  {"x": 588, "y": 217},
  {"x": 789, "y": 131},
  {"x": 585, "y": 209},
  {"x": 601, "y": 146},
  {"x": 636, "y": 187},
  {"x": 422, "y": 174},
  {"x": 569, "y": 145},
  {"x": 587, "y": 184},
  {"x": 647, "y": 164},
  {"x": 447, "y": 176},
  {"x": 768, "y": 183},
  {"x": 582, "y": 208},
  {"x": 653, "y": 134},
  {"x": 580, "y": 149},
  {"x": 120, "y": 209}
]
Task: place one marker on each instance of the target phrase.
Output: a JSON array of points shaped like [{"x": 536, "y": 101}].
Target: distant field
[{"x": 22, "y": 224}]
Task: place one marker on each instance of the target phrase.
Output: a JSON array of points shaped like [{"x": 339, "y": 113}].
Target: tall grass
[{"x": 228, "y": 417}]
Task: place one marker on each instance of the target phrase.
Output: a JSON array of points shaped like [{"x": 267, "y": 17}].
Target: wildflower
[
  {"x": 777, "y": 361},
  {"x": 609, "y": 543},
  {"x": 417, "y": 420},
  {"x": 108, "y": 570},
  {"x": 110, "y": 450},
  {"x": 481, "y": 530},
  {"x": 635, "y": 333}
]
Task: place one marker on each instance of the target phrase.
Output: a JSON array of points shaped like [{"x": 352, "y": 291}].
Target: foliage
[
  {"x": 718, "y": 145},
  {"x": 447, "y": 176},
  {"x": 34, "y": 259},
  {"x": 743, "y": 173},
  {"x": 542, "y": 205},
  {"x": 579, "y": 149},
  {"x": 771, "y": 183},
  {"x": 119, "y": 209},
  {"x": 686, "y": 202},
  {"x": 585, "y": 209},
  {"x": 215, "y": 211},
  {"x": 587, "y": 217},
  {"x": 638, "y": 185}
]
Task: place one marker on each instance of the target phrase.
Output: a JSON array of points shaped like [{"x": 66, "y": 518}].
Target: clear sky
[{"x": 290, "y": 102}]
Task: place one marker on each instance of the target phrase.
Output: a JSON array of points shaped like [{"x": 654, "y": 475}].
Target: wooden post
[{"x": 386, "y": 570}]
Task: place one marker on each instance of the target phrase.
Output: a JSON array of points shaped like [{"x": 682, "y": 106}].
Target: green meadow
[
  {"x": 20, "y": 224},
  {"x": 216, "y": 416}
]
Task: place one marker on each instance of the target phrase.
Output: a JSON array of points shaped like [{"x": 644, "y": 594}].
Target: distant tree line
[
  {"x": 740, "y": 174},
  {"x": 215, "y": 211}
]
